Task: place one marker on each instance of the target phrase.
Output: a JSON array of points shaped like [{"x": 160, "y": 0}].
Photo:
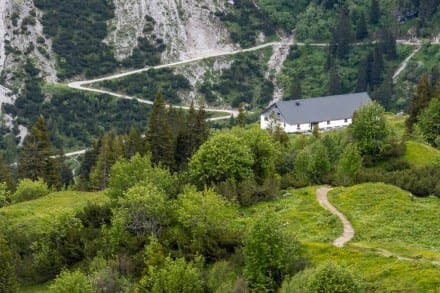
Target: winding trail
[
  {"x": 347, "y": 235},
  {"x": 85, "y": 84}
]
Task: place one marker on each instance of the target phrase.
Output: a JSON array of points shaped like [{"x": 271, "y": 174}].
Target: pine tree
[
  {"x": 87, "y": 164},
  {"x": 376, "y": 67},
  {"x": 134, "y": 143},
  {"x": 362, "y": 81},
  {"x": 374, "y": 12},
  {"x": 241, "y": 118},
  {"x": 296, "y": 91},
  {"x": 5, "y": 175},
  {"x": 389, "y": 44},
  {"x": 342, "y": 36},
  {"x": 361, "y": 28},
  {"x": 201, "y": 126},
  {"x": 335, "y": 84},
  {"x": 159, "y": 135},
  {"x": 420, "y": 101},
  {"x": 36, "y": 156},
  {"x": 105, "y": 160}
]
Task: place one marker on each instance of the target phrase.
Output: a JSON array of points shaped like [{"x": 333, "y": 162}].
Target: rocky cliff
[{"x": 188, "y": 28}]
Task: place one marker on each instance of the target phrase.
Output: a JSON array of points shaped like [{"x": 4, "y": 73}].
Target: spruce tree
[
  {"x": 296, "y": 91},
  {"x": 241, "y": 118},
  {"x": 105, "y": 160},
  {"x": 376, "y": 67},
  {"x": 134, "y": 143},
  {"x": 389, "y": 44},
  {"x": 87, "y": 164},
  {"x": 420, "y": 101},
  {"x": 201, "y": 127},
  {"x": 36, "y": 157},
  {"x": 361, "y": 28},
  {"x": 374, "y": 12},
  {"x": 6, "y": 175},
  {"x": 335, "y": 84},
  {"x": 342, "y": 36},
  {"x": 362, "y": 81},
  {"x": 159, "y": 135}
]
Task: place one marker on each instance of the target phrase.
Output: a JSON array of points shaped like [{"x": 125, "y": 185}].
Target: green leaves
[{"x": 222, "y": 157}]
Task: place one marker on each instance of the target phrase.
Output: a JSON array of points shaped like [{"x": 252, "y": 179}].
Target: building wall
[{"x": 305, "y": 127}]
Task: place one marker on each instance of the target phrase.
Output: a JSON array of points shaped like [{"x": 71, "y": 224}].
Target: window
[
  {"x": 345, "y": 120},
  {"x": 265, "y": 118},
  {"x": 328, "y": 122},
  {"x": 298, "y": 126}
]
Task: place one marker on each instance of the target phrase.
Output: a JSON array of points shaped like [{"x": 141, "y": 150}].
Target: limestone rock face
[
  {"x": 188, "y": 28},
  {"x": 21, "y": 37}
]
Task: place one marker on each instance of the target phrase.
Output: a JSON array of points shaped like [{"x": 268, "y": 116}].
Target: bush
[
  {"x": 74, "y": 282},
  {"x": 327, "y": 277},
  {"x": 28, "y": 190},
  {"x": 5, "y": 196}
]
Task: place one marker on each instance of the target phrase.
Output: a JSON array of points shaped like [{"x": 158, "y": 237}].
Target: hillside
[
  {"x": 108, "y": 37},
  {"x": 383, "y": 217}
]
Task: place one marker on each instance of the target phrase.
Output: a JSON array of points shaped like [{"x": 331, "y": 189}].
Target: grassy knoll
[
  {"x": 419, "y": 154},
  {"x": 380, "y": 274},
  {"x": 32, "y": 214},
  {"x": 386, "y": 217},
  {"x": 302, "y": 215},
  {"x": 317, "y": 228}
]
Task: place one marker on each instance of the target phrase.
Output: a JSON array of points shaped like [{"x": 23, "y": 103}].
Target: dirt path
[
  {"x": 347, "y": 235},
  {"x": 402, "y": 66}
]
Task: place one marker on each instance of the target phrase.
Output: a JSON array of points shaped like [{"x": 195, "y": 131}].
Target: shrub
[
  {"x": 74, "y": 282},
  {"x": 173, "y": 277},
  {"x": 5, "y": 196},
  {"x": 327, "y": 277},
  {"x": 28, "y": 190}
]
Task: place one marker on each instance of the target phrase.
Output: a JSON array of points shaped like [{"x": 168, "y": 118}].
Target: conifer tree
[
  {"x": 335, "y": 84},
  {"x": 159, "y": 135},
  {"x": 134, "y": 143},
  {"x": 36, "y": 156},
  {"x": 362, "y": 81},
  {"x": 389, "y": 44},
  {"x": 87, "y": 164},
  {"x": 296, "y": 91},
  {"x": 201, "y": 127},
  {"x": 420, "y": 101},
  {"x": 361, "y": 28},
  {"x": 241, "y": 118},
  {"x": 377, "y": 67},
  {"x": 342, "y": 36},
  {"x": 5, "y": 175},
  {"x": 374, "y": 12},
  {"x": 108, "y": 153}
]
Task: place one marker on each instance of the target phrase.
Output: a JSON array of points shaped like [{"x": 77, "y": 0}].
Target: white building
[{"x": 302, "y": 115}]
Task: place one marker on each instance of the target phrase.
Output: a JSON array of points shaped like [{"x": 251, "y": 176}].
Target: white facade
[{"x": 306, "y": 126}]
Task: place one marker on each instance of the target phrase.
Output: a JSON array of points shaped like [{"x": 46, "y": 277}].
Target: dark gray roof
[{"x": 321, "y": 108}]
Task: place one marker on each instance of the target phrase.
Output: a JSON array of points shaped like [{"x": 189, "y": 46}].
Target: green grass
[
  {"x": 419, "y": 154},
  {"x": 36, "y": 288},
  {"x": 302, "y": 215},
  {"x": 381, "y": 274},
  {"x": 32, "y": 214},
  {"x": 387, "y": 217}
]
